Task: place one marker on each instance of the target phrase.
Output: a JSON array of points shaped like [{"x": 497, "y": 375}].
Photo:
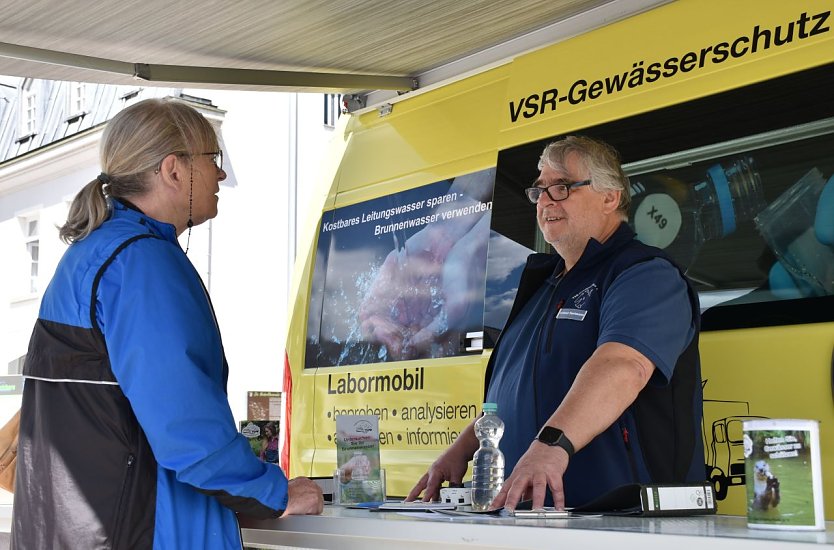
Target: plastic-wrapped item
[
  {"x": 792, "y": 226},
  {"x": 677, "y": 216},
  {"x": 824, "y": 224}
]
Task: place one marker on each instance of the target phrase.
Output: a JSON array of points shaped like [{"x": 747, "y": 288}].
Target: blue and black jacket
[{"x": 126, "y": 436}]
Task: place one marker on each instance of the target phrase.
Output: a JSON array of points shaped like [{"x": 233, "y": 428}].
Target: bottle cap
[{"x": 490, "y": 407}]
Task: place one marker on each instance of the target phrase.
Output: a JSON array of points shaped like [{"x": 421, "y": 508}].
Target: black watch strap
[{"x": 554, "y": 437}]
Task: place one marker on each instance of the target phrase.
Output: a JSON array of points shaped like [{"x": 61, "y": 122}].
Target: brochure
[
  {"x": 263, "y": 438},
  {"x": 263, "y": 405},
  {"x": 359, "y": 476},
  {"x": 783, "y": 474}
]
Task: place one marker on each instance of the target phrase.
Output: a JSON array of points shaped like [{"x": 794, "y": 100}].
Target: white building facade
[{"x": 273, "y": 142}]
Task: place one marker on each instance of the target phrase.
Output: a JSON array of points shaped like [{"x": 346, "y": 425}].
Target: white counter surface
[{"x": 342, "y": 528}]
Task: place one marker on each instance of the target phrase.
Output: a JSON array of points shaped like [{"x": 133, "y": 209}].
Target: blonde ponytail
[{"x": 87, "y": 211}]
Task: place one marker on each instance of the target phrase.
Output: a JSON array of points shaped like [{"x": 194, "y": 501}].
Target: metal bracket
[
  {"x": 475, "y": 341},
  {"x": 352, "y": 102},
  {"x": 385, "y": 109}
]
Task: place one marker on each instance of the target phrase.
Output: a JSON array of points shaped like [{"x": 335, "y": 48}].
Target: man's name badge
[{"x": 572, "y": 314}]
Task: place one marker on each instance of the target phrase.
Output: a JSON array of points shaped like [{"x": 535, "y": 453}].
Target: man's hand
[
  {"x": 539, "y": 468},
  {"x": 304, "y": 497},
  {"x": 449, "y": 467}
]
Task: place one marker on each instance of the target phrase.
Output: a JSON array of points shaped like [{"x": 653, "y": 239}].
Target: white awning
[{"x": 289, "y": 45}]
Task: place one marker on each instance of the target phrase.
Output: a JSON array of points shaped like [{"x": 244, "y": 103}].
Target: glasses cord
[{"x": 190, "y": 201}]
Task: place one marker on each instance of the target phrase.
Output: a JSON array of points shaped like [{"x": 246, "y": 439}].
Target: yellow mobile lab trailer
[{"x": 724, "y": 115}]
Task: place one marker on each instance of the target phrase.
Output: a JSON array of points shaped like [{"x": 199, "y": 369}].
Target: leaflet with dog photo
[{"x": 783, "y": 474}]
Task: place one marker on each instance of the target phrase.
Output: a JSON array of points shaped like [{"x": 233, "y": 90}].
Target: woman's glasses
[{"x": 216, "y": 158}]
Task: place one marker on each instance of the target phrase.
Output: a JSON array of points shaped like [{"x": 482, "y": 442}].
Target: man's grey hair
[{"x": 600, "y": 159}]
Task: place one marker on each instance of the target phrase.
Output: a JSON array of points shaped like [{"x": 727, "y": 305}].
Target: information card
[{"x": 359, "y": 476}]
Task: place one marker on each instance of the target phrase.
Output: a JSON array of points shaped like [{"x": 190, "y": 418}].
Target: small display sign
[
  {"x": 263, "y": 405},
  {"x": 263, "y": 438},
  {"x": 783, "y": 474},
  {"x": 358, "y": 476}
]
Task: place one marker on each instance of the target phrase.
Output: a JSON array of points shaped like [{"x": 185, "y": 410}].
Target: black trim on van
[{"x": 818, "y": 309}]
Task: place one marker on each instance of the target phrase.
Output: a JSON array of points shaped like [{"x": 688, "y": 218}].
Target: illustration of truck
[{"x": 722, "y": 425}]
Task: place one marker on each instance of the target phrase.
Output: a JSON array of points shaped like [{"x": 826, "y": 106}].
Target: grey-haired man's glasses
[{"x": 557, "y": 191}]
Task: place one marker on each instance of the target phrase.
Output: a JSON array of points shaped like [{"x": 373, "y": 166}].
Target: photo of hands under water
[{"x": 404, "y": 276}]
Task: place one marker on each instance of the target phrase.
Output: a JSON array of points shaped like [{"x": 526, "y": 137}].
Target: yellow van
[{"x": 724, "y": 115}]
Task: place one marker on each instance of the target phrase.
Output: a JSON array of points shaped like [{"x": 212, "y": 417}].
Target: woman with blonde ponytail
[{"x": 126, "y": 435}]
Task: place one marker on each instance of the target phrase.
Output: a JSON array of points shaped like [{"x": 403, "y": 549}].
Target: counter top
[{"x": 343, "y": 528}]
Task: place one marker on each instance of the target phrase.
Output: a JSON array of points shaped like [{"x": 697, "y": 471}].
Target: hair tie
[{"x": 103, "y": 178}]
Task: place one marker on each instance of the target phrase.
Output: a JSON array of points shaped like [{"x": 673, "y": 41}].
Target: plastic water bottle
[{"x": 488, "y": 462}]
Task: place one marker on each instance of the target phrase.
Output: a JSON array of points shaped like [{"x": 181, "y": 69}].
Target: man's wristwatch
[{"x": 555, "y": 437}]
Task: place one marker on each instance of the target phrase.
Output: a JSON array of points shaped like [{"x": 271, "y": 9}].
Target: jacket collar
[
  {"x": 122, "y": 209},
  {"x": 594, "y": 252}
]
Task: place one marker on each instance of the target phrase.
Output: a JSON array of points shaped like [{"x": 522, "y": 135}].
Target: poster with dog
[{"x": 783, "y": 474}]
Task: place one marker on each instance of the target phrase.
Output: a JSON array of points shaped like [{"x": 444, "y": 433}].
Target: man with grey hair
[{"x": 596, "y": 374}]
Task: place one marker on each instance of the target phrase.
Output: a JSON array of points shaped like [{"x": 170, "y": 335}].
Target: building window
[
  {"x": 131, "y": 96},
  {"x": 32, "y": 241},
  {"x": 332, "y": 109},
  {"x": 76, "y": 99},
  {"x": 28, "y": 112}
]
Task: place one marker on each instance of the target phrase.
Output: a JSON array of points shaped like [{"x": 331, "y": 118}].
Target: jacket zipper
[
  {"x": 547, "y": 349},
  {"x": 122, "y": 502},
  {"x": 629, "y": 451},
  {"x": 549, "y": 343}
]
